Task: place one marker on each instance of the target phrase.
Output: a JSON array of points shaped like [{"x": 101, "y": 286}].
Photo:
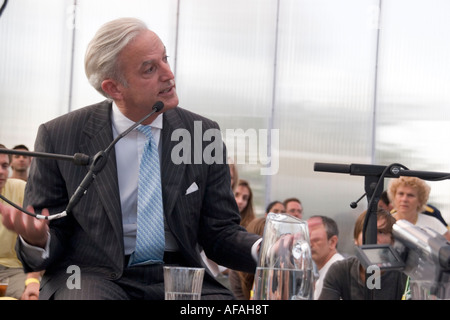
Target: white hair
[{"x": 100, "y": 60}]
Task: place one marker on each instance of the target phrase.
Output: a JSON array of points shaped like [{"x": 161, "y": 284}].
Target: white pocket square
[{"x": 192, "y": 188}]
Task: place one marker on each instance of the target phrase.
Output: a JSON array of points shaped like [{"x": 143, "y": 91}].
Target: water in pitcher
[
  {"x": 282, "y": 284},
  {"x": 285, "y": 268}
]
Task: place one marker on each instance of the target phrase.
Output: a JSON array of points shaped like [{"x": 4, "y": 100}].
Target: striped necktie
[{"x": 150, "y": 222}]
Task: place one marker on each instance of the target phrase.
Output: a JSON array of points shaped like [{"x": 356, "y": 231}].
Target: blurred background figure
[
  {"x": 241, "y": 283},
  {"x": 409, "y": 196},
  {"x": 10, "y": 266},
  {"x": 346, "y": 279},
  {"x": 234, "y": 174},
  {"x": 324, "y": 238},
  {"x": 244, "y": 200},
  {"x": 275, "y": 207},
  {"x": 384, "y": 202},
  {"x": 20, "y": 164},
  {"x": 294, "y": 207}
]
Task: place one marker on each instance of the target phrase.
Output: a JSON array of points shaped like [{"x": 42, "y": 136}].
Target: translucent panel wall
[
  {"x": 324, "y": 103},
  {"x": 225, "y": 69},
  {"x": 35, "y": 55},
  {"x": 413, "y": 118}
]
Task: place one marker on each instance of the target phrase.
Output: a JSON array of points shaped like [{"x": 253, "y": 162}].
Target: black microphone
[
  {"x": 354, "y": 204},
  {"x": 332, "y": 167},
  {"x": 99, "y": 163}
]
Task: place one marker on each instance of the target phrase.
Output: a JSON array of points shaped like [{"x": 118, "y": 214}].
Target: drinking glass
[
  {"x": 3, "y": 286},
  {"x": 183, "y": 283}
]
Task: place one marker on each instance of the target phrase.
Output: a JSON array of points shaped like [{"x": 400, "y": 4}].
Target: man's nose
[{"x": 166, "y": 73}]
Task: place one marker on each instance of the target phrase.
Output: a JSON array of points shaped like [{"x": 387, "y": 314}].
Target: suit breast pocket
[{"x": 190, "y": 201}]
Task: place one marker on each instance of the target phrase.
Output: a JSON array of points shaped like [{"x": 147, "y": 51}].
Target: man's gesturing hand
[{"x": 33, "y": 231}]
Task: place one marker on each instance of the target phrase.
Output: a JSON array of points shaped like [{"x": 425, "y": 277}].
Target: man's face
[
  {"x": 321, "y": 247},
  {"x": 295, "y": 209},
  {"x": 20, "y": 162},
  {"x": 148, "y": 76},
  {"x": 4, "y": 166}
]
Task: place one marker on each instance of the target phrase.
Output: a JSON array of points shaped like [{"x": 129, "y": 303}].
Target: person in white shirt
[
  {"x": 409, "y": 196},
  {"x": 324, "y": 236}
]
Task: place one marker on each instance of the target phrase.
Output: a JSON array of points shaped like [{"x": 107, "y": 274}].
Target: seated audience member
[
  {"x": 275, "y": 207},
  {"x": 234, "y": 174},
  {"x": 20, "y": 164},
  {"x": 429, "y": 209},
  {"x": 384, "y": 202},
  {"x": 434, "y": 212},
  {"x": 244, "y": 200},
  {"x": 241, "y": 283},
  {"x": 409, "y": 196},
  {"x": 19, "y": 287},
  {"x": 324, "y": 236},
  {"x": 346, "y": 279},
  {"x": 294, "y": 207}
]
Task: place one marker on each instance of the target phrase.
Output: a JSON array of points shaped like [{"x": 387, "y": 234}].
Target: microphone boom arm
[
  {"x": 97, "y": 165},
  {"x": 78, "y": 158},
  {"x": 100, "y": 160},
  {"x": 374, "y": 175}
]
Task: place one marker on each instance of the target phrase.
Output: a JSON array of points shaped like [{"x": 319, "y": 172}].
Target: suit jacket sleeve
[
  {"x": 225, "y": 241},
  {"x": 44, "y": 172},
  {"x": 209, "y": 216}
]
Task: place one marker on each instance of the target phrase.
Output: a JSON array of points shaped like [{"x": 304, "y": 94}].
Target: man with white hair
[{"x": 116, "y": 255}]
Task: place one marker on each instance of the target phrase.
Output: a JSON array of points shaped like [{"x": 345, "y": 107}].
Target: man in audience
[
  {"x": 324, "y": 235},
  {"x": 20, "y": 164},
  {"x": 293, "y": 207},
  {"x": 19, "y": 285},
  {"x": 346, "y": 279}
]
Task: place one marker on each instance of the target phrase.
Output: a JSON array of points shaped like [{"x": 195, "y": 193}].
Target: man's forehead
[
  {"x": 293, "y": 204},
  {"x": 315, "y": 223},
  {"x": 4, "y": 159},
  {"x": 158, "y": 55}
]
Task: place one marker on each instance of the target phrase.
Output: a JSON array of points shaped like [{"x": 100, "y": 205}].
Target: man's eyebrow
[
  {"x": 152, "y": 61},
  {"x": 147, "y": 62}
]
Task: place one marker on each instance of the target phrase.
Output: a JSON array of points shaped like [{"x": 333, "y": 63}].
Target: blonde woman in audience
[{"x": 409, "y": 196}]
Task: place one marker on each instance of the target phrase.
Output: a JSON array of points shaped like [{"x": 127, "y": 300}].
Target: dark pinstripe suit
[{"x": 91, "y": 237}]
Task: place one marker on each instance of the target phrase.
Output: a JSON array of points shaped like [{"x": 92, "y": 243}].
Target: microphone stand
[
  {"x": 79, "y": 159},
  {"x": 100, "y": 160},
  {"x": 373, "y": 186},
  {"x": 374, "y": 175},
  {"x": 98, "y": 163}
]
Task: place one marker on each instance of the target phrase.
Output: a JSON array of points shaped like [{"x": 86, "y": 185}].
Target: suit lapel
[
  {"x": 99, "y": 132},
  {"x": 171, "y": 173}
]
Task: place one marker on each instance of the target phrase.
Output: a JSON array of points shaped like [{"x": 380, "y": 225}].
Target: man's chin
[{"x": 170, "y": 104}]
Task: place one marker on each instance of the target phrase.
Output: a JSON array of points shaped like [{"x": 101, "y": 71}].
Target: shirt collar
[{"x": 122, "y": 123}]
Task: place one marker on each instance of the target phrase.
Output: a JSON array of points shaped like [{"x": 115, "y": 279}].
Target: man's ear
[
  {"x": 112, "y": 88},
  {"x": 334, "y": 241}
]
